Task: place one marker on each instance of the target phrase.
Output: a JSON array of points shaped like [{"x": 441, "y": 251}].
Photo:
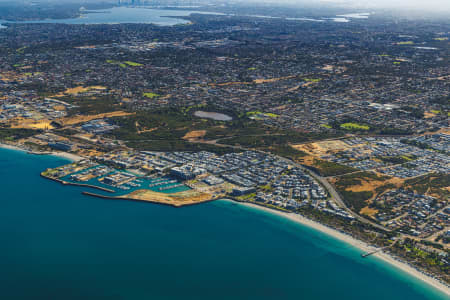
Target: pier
[
  {"x": 364, "y": 255},
  {"x": 170, "y": 187}
]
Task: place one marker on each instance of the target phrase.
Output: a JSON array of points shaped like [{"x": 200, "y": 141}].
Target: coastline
[
  {"x": 395, "y": 262},
  {"x": 68, "y": 156},
  {"x": 410, "y": 270},
  {"x": 174, "y": 205}
]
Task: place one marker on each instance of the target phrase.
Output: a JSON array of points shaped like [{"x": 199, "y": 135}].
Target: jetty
[
  {"x": 364, "y": 255},
  {"x": 162, "y": 183},
  {"x": 170, "y": 187}
]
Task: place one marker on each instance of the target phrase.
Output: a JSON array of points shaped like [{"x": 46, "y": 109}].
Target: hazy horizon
[
  {"x": 429, "y": 5},
  {"x": 439, "y": 6}
]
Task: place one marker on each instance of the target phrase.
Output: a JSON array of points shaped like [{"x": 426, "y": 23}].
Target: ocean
[{"x": 59, "y": 244}]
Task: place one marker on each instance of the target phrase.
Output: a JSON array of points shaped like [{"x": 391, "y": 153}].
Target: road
[
  {"x": 335, "y": 195},
  {"x": 328, "y": 186}
]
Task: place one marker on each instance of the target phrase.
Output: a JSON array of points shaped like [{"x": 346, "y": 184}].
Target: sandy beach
[
  {"x": 11, "y": 147},
  {"x": 69, "y": 156},
  {"x": 312, "y": 224},
  {"x": 358, "y": 244}
]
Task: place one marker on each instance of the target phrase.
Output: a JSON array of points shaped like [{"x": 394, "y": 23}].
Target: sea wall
[{"x": 78, "y": 184}]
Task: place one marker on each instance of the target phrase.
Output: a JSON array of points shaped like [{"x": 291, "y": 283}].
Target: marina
[
  {"x": 112, "y": 181},
  {"x": 224, "y": 150},
  {"x": 61, "y": 223}
]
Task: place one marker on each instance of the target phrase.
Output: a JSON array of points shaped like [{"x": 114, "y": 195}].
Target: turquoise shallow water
[
  {"x": 143, "y": 183},
  {"x": 59, "y": 244}
]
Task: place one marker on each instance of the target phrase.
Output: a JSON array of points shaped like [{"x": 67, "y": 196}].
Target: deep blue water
[{"x": 58, "y": 244}]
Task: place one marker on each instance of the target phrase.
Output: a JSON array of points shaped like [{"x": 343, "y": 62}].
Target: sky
[
  {"x": 408, "y": 4},
  {"x": 441, "y": 6},
  {"x": 427, "y": 5}
]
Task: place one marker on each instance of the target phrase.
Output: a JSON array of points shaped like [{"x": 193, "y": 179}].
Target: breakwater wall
[{"x": 78, "y": 184}]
